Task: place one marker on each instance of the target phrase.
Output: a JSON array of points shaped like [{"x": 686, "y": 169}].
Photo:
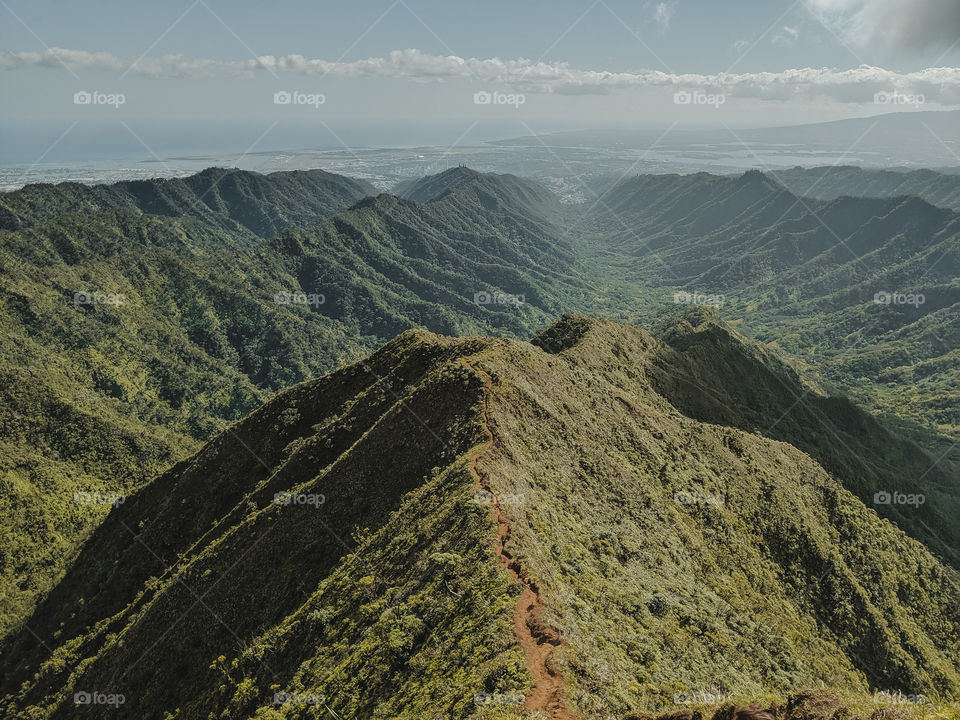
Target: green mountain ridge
[
  {"x": 234, "y": 200},
  {"x": 806, "y": 274},
  {"x": 831, "y": 182},
  {"x": 214, "y": 319},
  {"x": 99, "y": 398},
  {"x": 670, "y": 554}
]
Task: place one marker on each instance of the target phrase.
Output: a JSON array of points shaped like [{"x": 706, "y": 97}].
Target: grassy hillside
[
  {"x": 235, "y": 200},
  {"x": 139, "y": 319},
  {"x": 360, "y": 545},
  {"x": 805, "y": 275}
]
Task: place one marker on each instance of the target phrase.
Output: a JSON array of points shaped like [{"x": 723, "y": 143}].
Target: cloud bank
[
  {"x": 911, "y": 25},
  {"x": 938, "y": 85}
]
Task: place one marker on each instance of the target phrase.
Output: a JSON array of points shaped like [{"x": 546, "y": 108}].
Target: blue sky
[
  {"x": 701, "y": 35},
  {"x": 210, "y": 63}
]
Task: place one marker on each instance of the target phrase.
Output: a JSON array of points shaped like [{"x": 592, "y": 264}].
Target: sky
[{"x": 215, "y": 75}]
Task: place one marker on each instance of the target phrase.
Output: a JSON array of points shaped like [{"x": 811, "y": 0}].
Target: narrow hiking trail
[{"x": 536, "y": 638}]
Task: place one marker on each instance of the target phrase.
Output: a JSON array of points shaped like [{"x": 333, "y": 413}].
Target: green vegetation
[
  {"x": 695, "y": 510},
  {"x": 803, "y": 275},
  {"x": 833, "y": 181},
  {"x": 199, "y": 339},
  {"x": 673, "y": 556}
]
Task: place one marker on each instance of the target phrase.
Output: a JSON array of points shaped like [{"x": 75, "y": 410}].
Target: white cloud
[
  {"x": 787, "y": 36},
  {"x": 853, "y": 85},
  {"x": 661, "y": 13},
  {"x": 913, "y": 25}
]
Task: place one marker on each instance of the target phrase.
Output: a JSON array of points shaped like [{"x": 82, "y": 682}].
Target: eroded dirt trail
[{"x": 537, "y": 639}]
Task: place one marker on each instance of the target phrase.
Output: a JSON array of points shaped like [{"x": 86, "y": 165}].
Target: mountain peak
[
  {"x": 491, "y": 190},
  {"x": 564, "y": 333},
  {"x": 755, "y": 178}
]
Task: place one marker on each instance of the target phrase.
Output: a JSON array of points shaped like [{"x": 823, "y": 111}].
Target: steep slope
[
  {"x": 737, "y": 232},
  {"x": 863, "y": 289},
  {"x": 466, "y": 261},
  {"x": 234, "y": 200},
  {"x": 154, "y": 312},
  {"x": 834, "y": 181},
  {"x": 711, "y": 372},
  {"x": 100, "y": 396},
  {"x": 459, "y": 527},
  {"x": 492, "y": 189}
]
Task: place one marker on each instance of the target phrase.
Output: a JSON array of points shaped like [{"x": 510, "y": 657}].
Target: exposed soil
[{"x": 536, "y": 638}]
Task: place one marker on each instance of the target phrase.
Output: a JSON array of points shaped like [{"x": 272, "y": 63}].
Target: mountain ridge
[
  {"x": 649, "y": 540},
  {"x": 224, "y": 198},
  {"x": 224, "y": 318}
]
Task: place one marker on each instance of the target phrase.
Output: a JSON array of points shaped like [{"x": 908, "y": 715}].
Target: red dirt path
[{"x": 536, "y": 638}]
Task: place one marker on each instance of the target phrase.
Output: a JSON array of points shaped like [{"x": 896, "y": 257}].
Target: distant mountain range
[
  {"x": 230, "y": 200},
  {"x": 866, "y": 289},
  {"x": 829, "y": 183}
]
